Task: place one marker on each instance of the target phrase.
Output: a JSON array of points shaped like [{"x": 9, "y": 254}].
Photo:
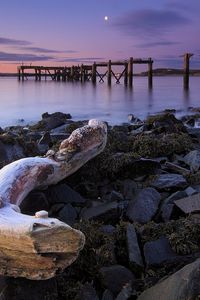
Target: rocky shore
[{"x": 138, "y": 204}]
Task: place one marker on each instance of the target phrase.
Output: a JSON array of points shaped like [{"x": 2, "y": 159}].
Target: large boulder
[{"x": 182, "y": 285}]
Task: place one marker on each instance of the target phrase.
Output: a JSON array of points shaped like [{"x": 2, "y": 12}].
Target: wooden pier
[{"x": 88, "y": 72}]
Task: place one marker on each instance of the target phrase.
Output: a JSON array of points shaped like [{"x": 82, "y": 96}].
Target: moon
[{"x": 106, "y": 18}]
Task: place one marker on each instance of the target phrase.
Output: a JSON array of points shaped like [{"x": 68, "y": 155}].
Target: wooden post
[
  {"x": 19, "y": 73},
  {"x": 94, "y": 68},
  {"x": 109, "y": 72},
  {"x": 150, "y": 73},
  {"x": 22, "y": 74},
  {"x": 130, "y": 71},
  {"x": 72, "y": 73},
  {"x": 40, "y": 74},
  {"x": 186, "y": 70},
  {"x": 81, "y": 72},
  {"x": 126, "y": 74}
]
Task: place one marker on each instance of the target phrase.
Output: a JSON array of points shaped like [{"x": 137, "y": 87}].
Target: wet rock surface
[{"x": 137, "y": 204}]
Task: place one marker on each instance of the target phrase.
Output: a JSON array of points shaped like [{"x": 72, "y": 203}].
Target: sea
[{"x": 23, "y": 102}]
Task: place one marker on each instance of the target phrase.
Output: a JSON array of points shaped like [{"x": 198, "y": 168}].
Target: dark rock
[
  {"x": 44, "y": 143},
  {"x": 189, "y": 204},
  {"x": 104, "y": 212},
  {"x": 23, "y": 289},
  {"x": 168, "y": 181},
  {"x": 107, "y": 295},
  {"x": 126, "y": 292},
  {"x": 158, "y": 252},
  {"x": 115, "y": 277},
  {"x": 68, "y": 214},
  {"x": 138, "y": 130},
  {"x": 166, "y": 122},
  {"x": 176, "y": 168},
  {"x": 134, "y": 254},
  {"x": 144, "y": 166},
  {"x": 108, "y": 229},
  {"x": 144, "y": 206},
  {"x": 190, "y": 191},
  {"x": 133, "y": 119},
  {"x": 182, "y": 285},
  {"x": 168, "y": 204},
  {"x": 192, "y": 159},
  {"x": 129, "y": 189},
  {"x": 35, "y": 201},
  {"x": 116, "y": 196},
  {"x": 56, "y": 137},
  {"x": 50, "y": 121},
  {"x": 88, "y": 292},
  {"x": 58, "y": 115},
  {"x": 3, "y": 155},
  {"x": 62, "y": 193}
]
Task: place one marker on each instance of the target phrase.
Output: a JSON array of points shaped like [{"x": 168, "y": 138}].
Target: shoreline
[{"x": 139, "y": 193}]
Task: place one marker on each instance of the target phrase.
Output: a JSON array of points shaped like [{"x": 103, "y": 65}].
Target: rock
[
  {"x": 68, "y": 214},
  {"x": 35, "y": 201},
  {"x": 116, "y": 196},
  {"x": 166, "y": 122},
  {"x": 44, "y": 143},
  {"x": 107, "y": 295},
  {"x": 169, "y": 181},
  {"x": 106, "y": 212},
  {"x": 51, "y": 121},
  {"x": 182, "y": 285},
  {"x": 23, "y": 289},
  {"x": 62, "y": 193},
  {"x": 134, "y": 254},
  {"x": 126, "y": 292},
  {"x": 138, "y": 130},
  {"x": 133, "y": 119},
  {"x": 190, "y": 191},
  {"x": 168, "y": 204},
  {"x": 108, "y": 229},
  {"x": 115, "y": 277},
  {"x": 189, "y": 204},
  {"x": 88, "y": 292},
  {"x": 158, "y": 252},
  {"x": 178, "y": 169},
  {"x": 192, "y": 159},
  {"x": 58, "y": 115},
  {"x": 129, "y": 189},
  {"x": 144, "y": 206},
  {"x": 57, "y": 137}
]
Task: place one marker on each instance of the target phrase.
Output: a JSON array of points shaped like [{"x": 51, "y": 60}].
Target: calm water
[{"x": 28, "y": 100}]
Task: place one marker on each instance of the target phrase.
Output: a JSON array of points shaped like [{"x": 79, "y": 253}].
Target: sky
[{"x": 65, "y": 32}]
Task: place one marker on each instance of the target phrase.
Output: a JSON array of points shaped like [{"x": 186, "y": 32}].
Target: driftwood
[{"x": 37, "y": 247}]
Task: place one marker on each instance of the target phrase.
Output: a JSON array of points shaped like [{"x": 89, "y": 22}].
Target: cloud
[
  {"x": 44, "y": 50},
  {"x": 157, "y": 43},
  {"x": 81, "y": 59},
  {"x": 16, "y": 57},
  {"x": 150, "y": 23},
  {"x": 7, "y": 41}
]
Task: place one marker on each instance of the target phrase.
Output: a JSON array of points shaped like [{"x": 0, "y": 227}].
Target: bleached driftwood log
[{"x": 37, "y": 247}]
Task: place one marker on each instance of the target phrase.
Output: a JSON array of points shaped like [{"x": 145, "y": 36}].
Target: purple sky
[{"x": 65, "y": 32}]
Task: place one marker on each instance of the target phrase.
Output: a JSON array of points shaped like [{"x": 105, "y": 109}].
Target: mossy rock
[
  {"x": 183, "y": 234},
  {"x": 165, "y": 122},
  {"x": 151, "y": 146}
]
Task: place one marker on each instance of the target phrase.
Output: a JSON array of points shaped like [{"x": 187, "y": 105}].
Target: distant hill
[
  {"x": 8, "y": 74},
  {"x": 168, "y": 71}
]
